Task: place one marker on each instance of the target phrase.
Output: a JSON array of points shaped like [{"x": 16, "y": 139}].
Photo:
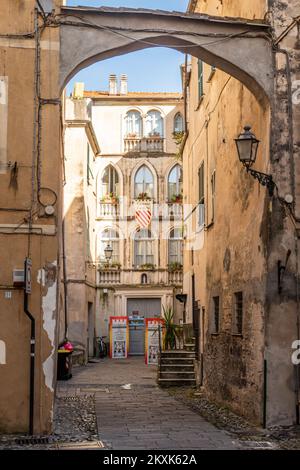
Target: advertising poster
[
  {"x": 118, "y": 337},
  {"x": 152, "y": 340}
]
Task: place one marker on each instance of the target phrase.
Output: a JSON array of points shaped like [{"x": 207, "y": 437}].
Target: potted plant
[
  {"x": 131, "y": 135},
  {"x": 154, "y": 134},
  {"x": 171, "y": 329},
  {"x": 143, "y": 197},
  {"x": 175, "y": 266},
  {"x": 177, "y": 198},
  {"x": 148, "y": 266},
  {"x": 116, "y": 265},
  {"x": 110, "y": 198}
]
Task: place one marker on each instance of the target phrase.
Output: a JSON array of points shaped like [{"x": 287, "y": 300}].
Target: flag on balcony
[{"x": 143, "y": 213}]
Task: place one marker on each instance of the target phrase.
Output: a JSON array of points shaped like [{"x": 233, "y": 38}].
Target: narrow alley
[{"x": 143, "y": 416}]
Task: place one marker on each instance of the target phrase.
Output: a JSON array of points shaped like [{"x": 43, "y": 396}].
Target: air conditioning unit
[{"x": 18, "y": 277}]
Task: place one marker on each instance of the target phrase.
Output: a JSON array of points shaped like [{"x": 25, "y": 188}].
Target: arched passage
[{"x": 229, "y": 44}]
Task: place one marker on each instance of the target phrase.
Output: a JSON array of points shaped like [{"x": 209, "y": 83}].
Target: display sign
[
  {"x": 152, "y": 339},
  {"x": 119, "y": 335}
]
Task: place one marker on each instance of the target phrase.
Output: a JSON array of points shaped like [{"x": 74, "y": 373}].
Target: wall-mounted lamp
[
  {"x": 108, "y": 251},
  {"x": 247, "y": 146}
]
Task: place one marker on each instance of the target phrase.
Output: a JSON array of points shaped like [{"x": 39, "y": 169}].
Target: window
[
  {"x": 154, "y": 124},
  {"x": 175, "y": 184},
  {"x": 144, "y": 182},
  {"x": 215, "y": 326},
  {"x": 201, "y": 213},
  {"x": 110, "y": 237},
  {"x": 175, "y": 257},
  {"x": 213, "y": 193},
  {"x": 178, "y": 123},
  {"x": 237, "y": 327},
  {"x": 143, "y": 248},
  {"x": 200, "y": 80},
  {"x": 110, "y": 181},
  {"x": 133, "y": 124}
]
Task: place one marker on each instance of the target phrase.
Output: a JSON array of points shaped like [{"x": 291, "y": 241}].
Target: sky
[{"x": 153, "y": 69}]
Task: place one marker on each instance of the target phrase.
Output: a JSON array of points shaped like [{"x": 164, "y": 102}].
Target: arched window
[
  {"x": 178, "y": 123},
  {"x": 143, "y": 248},
  {"x": 110, "y": 237},
  {"x": 175, "y": 257},
  {"x": 143, "y": 182},
  {"x": 154, "y": 124},
  {"x": 110, "y": 181},
  {"x": 175, "y": 184},
  {"x": 133, "y": 124},
  {"x": 144, "y": 279}
]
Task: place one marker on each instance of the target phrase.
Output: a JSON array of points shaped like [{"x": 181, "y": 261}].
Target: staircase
[{"x": 176, "y": 367}]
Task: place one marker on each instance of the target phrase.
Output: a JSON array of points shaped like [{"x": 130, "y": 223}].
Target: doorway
[{"x": 137, "y": 311}]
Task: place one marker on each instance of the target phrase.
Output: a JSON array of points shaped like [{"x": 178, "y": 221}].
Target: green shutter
[{"x": 200, "y": 79}]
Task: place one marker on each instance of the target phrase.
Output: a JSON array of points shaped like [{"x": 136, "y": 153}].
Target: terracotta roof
[{"x": 132, "y": 94}]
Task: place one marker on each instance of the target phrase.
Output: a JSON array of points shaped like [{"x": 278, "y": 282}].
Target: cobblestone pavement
[{"x": 143, "y": 416}]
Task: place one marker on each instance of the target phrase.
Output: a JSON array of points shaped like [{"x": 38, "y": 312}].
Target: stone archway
[{"x": 229, "y": 44}]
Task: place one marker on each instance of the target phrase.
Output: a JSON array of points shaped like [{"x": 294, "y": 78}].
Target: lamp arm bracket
[{"x": 263, "y": 178}]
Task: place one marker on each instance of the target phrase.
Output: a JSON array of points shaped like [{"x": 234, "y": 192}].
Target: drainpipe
[
  {"x": 65, "y": 278},
  {"x": 32, "y": 360}
]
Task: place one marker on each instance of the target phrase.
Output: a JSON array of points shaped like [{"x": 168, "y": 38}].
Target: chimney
[
  {"x": 124, "y": 85},
  {"x": 113, "y": 86},
  {"x": 78, "y": 91}
]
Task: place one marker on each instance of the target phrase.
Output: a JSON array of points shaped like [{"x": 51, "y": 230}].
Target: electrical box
[{"x": 18, "y": 277}]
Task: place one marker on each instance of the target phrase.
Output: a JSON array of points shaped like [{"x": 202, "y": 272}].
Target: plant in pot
[
  {"x": 177, "y": 198},
  {"x": 171, "y": 329},
  {"x": 148, "y": 266},
  {"x": 111, "y": 198},
  {"x": 143, "y": 197},
  {"x": 175, "y": 266}
]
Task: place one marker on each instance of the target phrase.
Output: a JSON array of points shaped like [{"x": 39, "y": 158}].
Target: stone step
[
  {"x": 178, "y": 353},
  {"x": 177, "y": 360},
  {"x": 176, "y": 383},
  {"x": 177, "y": 367},
  {"x": 176, "y": 375},
  {"x": 189, "y": 347}
]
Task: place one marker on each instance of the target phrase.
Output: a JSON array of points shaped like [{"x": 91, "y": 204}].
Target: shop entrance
[{"x": 137, "y": 311}]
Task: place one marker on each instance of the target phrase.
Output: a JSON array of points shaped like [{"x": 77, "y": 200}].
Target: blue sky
[{"x": 148, "y": 70}]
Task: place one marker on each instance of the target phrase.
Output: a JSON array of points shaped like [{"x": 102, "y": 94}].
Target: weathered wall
[
  {"x": 225, "y": 251},
  {"x": 250, "y": 233},
  {"x": 17, "y": 61}
]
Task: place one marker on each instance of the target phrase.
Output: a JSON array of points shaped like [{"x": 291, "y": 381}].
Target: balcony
[
  {"x": 175, "y": 210},
  {"x": 175, "y": 277},
  {"x": 153, "y": 144},
  {"x": 109, "y": 276},
  {"x": 108, "y": 210}
]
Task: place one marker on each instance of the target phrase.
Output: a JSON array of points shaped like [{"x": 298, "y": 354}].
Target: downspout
[
  {"x": 32, "y": 361},
  {"x": 65, "y": 279},
  {"x": 297, "y": 378}
]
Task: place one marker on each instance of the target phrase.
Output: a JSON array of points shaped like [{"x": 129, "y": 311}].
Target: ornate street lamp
[
  {"x": 108, "y": 251},
  {"x": 247, "y": 146}
]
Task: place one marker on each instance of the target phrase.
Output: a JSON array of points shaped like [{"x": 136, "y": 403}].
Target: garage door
[{"x": 140, "y": 309}]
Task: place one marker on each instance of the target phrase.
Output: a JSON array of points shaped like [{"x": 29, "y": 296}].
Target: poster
[
  {"x": 118, "y": 337},
  {"x": 152, "y": 340}
]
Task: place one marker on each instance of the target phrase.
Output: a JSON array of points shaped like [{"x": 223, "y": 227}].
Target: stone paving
[{"x": 143, "y": 416}]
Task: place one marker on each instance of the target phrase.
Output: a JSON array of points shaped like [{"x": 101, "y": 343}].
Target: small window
[
  {"x": 110, "y": 182},
  {"x": 215, "y": 327},
  {"x": 154, "y": 124},
  {"x": 143, "y": 183},
  {"x": 133, "y": 124},
  {"x": 144, "y": 279},
  {"x": 237, "y": 327},
  {"x": 201, "y": 208},
  {"x": 178, "y": 123}
]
